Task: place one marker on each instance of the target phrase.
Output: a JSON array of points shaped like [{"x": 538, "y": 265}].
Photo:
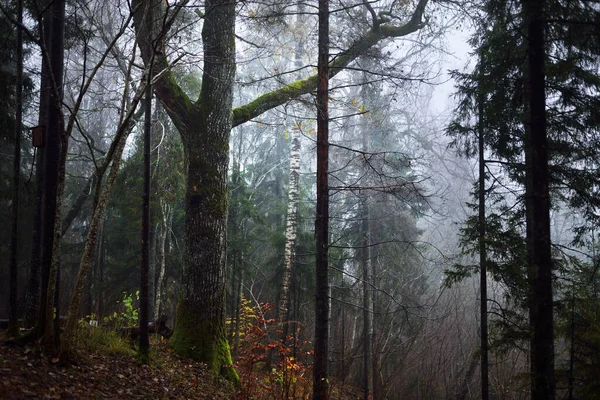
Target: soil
[{"x": 26, "y": 374}]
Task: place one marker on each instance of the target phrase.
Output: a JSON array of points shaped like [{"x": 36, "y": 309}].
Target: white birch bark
[
  {"x": 167, "y": 217},
  {"x": 291, "y": 229},
  {"x": 291, "y": 224}
]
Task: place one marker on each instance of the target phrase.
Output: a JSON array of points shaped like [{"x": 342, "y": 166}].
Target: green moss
[
  {"x": 273, "y": 99},
  {"x": 203, "y": 342},
  {"x": 143, "y": 356}
]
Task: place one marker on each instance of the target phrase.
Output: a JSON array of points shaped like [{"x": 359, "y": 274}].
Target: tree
[
  {"x": 144, "y": 300},
  {"x": 537, "y": 129},
  {"x": 205, "y": 128},
  {"x": 54, "y": 172},
  {"x": 320, "y": 370},
  {"x": 291, "y": 223},
  {"x": 538, "y": 207},
  {"x": 483, "y": 314}
]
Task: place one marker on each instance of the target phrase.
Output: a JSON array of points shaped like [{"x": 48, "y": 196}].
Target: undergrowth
[
  {"x": 104, "y": 341},
  {"x": 270, "y": 366}
]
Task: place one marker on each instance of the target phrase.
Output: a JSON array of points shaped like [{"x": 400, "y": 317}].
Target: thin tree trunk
[
  {"x": 33, "y": 285},
  {"x": 482, "y": 248},
  {"x": 320, "y": 373},
  {"x": 540, "y": 256},
  {"x": 97, "y": 216},
  {"x": 154, "y": 223},
  {"x": 39, "y": 268},
  {"x": 291, "y": 229},
  {"x": 144, "y": 351},
  {"x": 368, "y": 374},
  {"x": 166, "y": 222},
  {"x": 240, "y": 283},
  {"x": 13, "y": 325},
  {"x": 101, "y": 259},
  {"x": 55, "y": 164},
  {"x": 291, "y": 223},
  {"x": 377, "y": 387},
  {"x": 235, "y": 226},
  {"x": 464, "y": 387}
]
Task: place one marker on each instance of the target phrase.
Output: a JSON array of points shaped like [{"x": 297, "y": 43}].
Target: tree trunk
[
  {"x": 368, "y": 373},
  {"x": 38, "y": 277},
  {"x": 166, "y": 222},
  {"x": 291, "y": 228},
  {"x": 200, "y": 328},
  {"x": 144, "y": 351},
  {"x": 13, "y": 327},
  {"x": 237, "y": 318},
  {"x": 101, "y": 264},
  {"x": 482, "y": 248},
  {"x": 97, "y": 217},
  {"x": 33, "y": 284},
  {"x": 154, "y": 222},
  {"x": 291, "y": 223},
  {"x": 55, "y": 163},
  {"x": 539, "y": 246},
  {"x": 234, "y": 226},
  {"x": 320, "y": 374}
]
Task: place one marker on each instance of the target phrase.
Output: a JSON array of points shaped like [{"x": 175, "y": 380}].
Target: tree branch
[
  {"x": 149, "y": 23},
  {"x": 301, "y": 87}
]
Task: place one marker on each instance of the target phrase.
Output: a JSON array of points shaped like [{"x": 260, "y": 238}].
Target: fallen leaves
[{"x": 98, "y": 376}]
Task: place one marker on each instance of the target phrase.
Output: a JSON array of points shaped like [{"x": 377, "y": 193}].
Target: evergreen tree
[{"x": 508, "y": 55}]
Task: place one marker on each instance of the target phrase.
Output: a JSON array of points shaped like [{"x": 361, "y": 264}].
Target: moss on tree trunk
[{"x": 203, "y": 340}]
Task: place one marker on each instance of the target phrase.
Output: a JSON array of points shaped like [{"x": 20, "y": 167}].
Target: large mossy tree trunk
[{"x": 205, "y": 128}]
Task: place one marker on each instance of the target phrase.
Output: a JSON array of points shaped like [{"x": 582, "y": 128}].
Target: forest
[{"x": 282, "y": 199}]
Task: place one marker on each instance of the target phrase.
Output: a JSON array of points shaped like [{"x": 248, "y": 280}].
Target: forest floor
[
  {"x": 107, "y": 374},
  {"x": 106, "y": 367}
]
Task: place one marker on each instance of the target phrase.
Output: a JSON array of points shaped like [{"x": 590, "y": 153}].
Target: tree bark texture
[
  {"x": 539, "y": 245},
  {"x": 200, "y": 328},
  {"x": 291, "y": 223},
  {"x": 320, "y": 370},
  {"x": 291, "y": 228},
  {"x": 162, "y": 250}
]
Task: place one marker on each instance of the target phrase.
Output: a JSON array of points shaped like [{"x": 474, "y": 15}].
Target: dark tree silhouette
[{"x": 320, "y": 377}]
